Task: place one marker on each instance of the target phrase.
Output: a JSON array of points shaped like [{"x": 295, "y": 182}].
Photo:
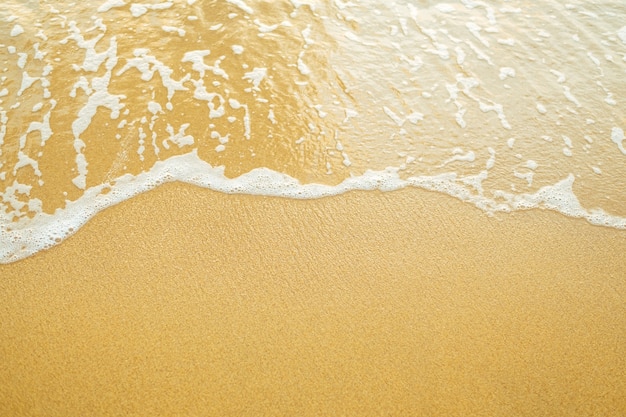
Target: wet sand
[{"x": 184, "y": 301}]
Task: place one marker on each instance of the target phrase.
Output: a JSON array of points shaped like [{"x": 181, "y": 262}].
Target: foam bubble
[
  {"x": 617, "y": 137},
  {"x": 17, "y": 30}
]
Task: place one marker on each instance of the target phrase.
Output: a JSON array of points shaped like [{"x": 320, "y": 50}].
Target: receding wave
[{"x": 507, "y": 106}]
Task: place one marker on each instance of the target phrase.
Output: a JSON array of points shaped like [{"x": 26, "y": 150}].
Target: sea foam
[
  {"x": 103, "y": 102},
  {"x": 21, "y": 239}
]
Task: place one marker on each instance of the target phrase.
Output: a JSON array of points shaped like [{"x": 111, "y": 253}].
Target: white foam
[
  {"x": 458, "y": 155},
  {"x": 27, "y": 236},
  {"x": 617, "y": 137},
  {"x": 568, "y": 94},
  {"x": 255, "y": 77},
  {"x": 139, "y": 9},
  {"x": 528, "y": 176},
  {"x": 506, "y": 72},
  {"x": 21, "y": 61},
  {"x": 24, "y": 160},
  {"x": 417, "y": 77},
  {"x": 530, "y": 164},
  {"x": 242, "y": 5},
  {"x": 109, "y": 4},
  {"x": 415, "y": 117},
  {"x": 320, "y": 113},
  {"x": 567, "y": 141},
  {"x": 306, "y": 35},
  {"x": 541, "y": 108},
  {"x": 17, "y": 30},
  {"x": 172, "y": 29},
  {"x": 302, "y": 67},
  {"x": 475, "y": 30},
  {"x": 460, "y": 55},
  {"x": 445, "y": 8},
  {"x": 180, "y": 138},
  {"x": 235, "y": 104},
  {"x": 510, "y": 142},
  {"x": 142, "y": 141},
  {"x": 560, "y": 76},
  {"x": 197, "y": 60},
  {"x": 148, "y": 65},
  {"x": 27, "y": 82},
  {"x": 3, "y": 129},
  {"x": 263, "y": 28},
  {"x": 415, "y": 63},
  {"x": 509, "y": 42},
  {"x": 44, "y": 126},
  {"x": 393, "y": 116},
  {"x": 622, "y": 34},
  {"x": 93, "y": 59},
  {"x": 492, "y": 159},
  {"x": 350, "y": 113}
]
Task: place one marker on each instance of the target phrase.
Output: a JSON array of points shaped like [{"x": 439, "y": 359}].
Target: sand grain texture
[{"x": 184, "y": 301}]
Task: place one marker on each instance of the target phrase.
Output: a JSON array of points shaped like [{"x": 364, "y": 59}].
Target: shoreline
[{"x": 186, "y": 300}]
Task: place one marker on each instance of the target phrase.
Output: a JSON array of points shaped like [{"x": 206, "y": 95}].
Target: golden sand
[{"x": 187, "y": 302}]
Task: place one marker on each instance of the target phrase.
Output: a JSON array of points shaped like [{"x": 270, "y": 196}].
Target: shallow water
[{"x": 506, "y": 105}]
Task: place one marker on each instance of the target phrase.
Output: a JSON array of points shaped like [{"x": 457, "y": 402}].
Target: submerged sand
[{"x": 184, "y": 301}]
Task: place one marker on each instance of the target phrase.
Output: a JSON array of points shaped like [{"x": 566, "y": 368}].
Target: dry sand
[{"x": 187, "y": 302}]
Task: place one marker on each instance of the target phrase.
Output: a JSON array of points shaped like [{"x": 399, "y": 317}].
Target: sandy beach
[
  {"x": 183, "y": 301},
  {"x": 188, "y": 300}
]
